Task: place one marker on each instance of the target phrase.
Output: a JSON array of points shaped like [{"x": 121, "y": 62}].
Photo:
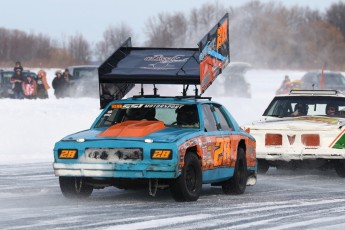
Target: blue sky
[{"x": 61, "y": 19}]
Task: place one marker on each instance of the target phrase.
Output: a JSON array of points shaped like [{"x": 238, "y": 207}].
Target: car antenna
[
  {"x": 185, "y": 89},
  {"x": 142, "y": 89},
  {"x": 196, "y": 91},
  {"x": 155, "y": 90}
]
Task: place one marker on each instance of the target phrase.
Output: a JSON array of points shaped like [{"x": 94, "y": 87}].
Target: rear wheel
[
  {"x": 187, "y": 186},
  {"x": 263, "y": 166},
  {"x": 75, "y": 187},
  {"x": 340, "y": 168},
  {"x": 237, "y": 184}
]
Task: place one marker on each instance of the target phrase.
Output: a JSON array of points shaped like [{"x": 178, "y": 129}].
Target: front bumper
[
  {"x": 287, "y": 154},
  {"x": 115, "y": 171}
]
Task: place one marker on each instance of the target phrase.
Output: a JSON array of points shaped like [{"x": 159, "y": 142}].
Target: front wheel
[
  {"x": 187, "y": 186},
  {"x": 237, "y": 184},
  {"x": 340, "y": 168},
  {"x": 74, "y": 187}
]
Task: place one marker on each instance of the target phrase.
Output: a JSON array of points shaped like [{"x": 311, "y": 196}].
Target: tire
[
  {"x": 187, "y": 186},
  {"x": 340, "y": 168},
  {"x": 263, "y": 166},
  {"x": 75, "y": 187},
  {"x": 238, "y": 183}
]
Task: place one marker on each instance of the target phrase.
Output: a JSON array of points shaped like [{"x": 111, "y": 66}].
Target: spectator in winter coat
[
  {"x": 59, "y": 85},
  {"x": 42, "y": 85},
  {"x": 69, "y": 79},
  {"x": 285, "y": 86},
  {"x": 18, "y": 66},
  {"x": 17, "y": 81},
  {"x": 29, "y": 87}
]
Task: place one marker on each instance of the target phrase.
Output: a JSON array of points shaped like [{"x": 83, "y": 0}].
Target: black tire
[
  {"x": 340, "y": 168},
  {"x": 238, "y": 183},
  {"x": 75, "y": 187},
  {"x": 187, "y": 186},
  {"x": 263, "y": 166}
]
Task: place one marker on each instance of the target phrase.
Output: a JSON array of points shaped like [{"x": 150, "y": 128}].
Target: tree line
[{"x": 267, "y": 35}]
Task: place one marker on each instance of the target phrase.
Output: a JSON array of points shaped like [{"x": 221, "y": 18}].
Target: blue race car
[{"x": 157, "y": 142}]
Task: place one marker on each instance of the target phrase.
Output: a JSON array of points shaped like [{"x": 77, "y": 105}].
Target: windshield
[
  {"x": 306, "y": 106},
  {"x": 179, "y": 115},
  {"x": 85, "y": 73}
]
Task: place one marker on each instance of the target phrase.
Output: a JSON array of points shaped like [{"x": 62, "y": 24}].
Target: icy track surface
[{"x": 30, "y": 198}]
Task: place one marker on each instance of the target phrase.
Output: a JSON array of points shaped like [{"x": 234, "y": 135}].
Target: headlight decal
[
  {"x": 273, "y": 139},
  {"x": 114, "y": 154},
  {"x": 310, "y": 140}
]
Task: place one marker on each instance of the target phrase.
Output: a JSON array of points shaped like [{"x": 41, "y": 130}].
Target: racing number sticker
[
  {"x": 222, "y": 151},
  {"x": 164, "y": 154},
  {"x": 68, "y": 153}
]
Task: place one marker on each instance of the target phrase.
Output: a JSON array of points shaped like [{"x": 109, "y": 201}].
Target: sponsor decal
[
  {"x": 340, "y": 144},
  {"x": 116, "y": 106},
  {"x": 339, "y": 141},
  {"x": 162, "y": 62},
  {"x": 163, "y": 106}
]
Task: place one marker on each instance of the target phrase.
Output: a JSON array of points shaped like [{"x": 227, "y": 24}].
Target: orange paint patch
[{"x": 133, "y": 129}]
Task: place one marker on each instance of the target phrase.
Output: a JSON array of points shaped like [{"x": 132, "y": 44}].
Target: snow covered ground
[
  {"x": 30, "y": 197},
  {"x": 29, "y": 128}
]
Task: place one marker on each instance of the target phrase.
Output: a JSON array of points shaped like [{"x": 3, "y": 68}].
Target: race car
[
  {"x": 159, "y": 142},
  {"x": 302, "y": 129}
]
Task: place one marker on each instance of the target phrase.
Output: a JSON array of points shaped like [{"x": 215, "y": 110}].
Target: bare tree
[
  {"x": 166, "y": 30},
  {"x": 113, "y": 37},
  {"x": 79, "y": 49},
  {"x": 336, "y": 16}
]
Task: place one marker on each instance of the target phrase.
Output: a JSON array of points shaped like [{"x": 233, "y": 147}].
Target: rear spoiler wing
[{"x": 129, "y": 65}]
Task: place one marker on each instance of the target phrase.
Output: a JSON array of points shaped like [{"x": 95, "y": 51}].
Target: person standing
[
  {"x": 29, "y": 87},
  {"x": 285, "y": 86},
  {"x": 59, "y": 85},
  {"x": 69, "y": 79},
  {"x": 42, "y": 85},
  {"x": 17, "y": 80},
  {"x": 17, "y": 66}
]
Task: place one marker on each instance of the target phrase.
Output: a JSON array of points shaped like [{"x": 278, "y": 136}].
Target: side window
[
  {"x": 209, "y": 121},
  {"x": 223, "y": 122}
]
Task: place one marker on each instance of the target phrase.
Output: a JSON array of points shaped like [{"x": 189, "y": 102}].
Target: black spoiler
[{"x": 129, "y": 65}]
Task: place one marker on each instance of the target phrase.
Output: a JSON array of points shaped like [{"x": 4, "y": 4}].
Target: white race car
[{"x": 305, "y": 128}]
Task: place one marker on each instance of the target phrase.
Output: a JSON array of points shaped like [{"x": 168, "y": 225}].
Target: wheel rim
[{"x": 191, "y": 178}]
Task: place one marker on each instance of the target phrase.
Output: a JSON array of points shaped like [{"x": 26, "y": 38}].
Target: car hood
[
  {"x": 164, "y": 134},
  {"x": 298, "y": 123}
]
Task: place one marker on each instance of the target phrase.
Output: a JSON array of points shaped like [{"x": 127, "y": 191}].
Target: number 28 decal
[
  {"x": 68, "y": 153},
  {"x": 162, "y": 154}
]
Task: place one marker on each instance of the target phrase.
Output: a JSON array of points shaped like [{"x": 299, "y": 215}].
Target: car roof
[
  {"x": 82, "y": 66},
  {"x": 320, "y": 71},
  {"x": 169, "y": 100},
  {"x": 328, "y": 93}
]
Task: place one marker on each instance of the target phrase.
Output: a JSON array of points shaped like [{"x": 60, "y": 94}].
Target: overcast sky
[{"x": 60, "y": 19}]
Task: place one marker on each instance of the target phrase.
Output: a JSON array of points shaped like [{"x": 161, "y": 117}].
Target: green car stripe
[{"x": 340, "y": 144}]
